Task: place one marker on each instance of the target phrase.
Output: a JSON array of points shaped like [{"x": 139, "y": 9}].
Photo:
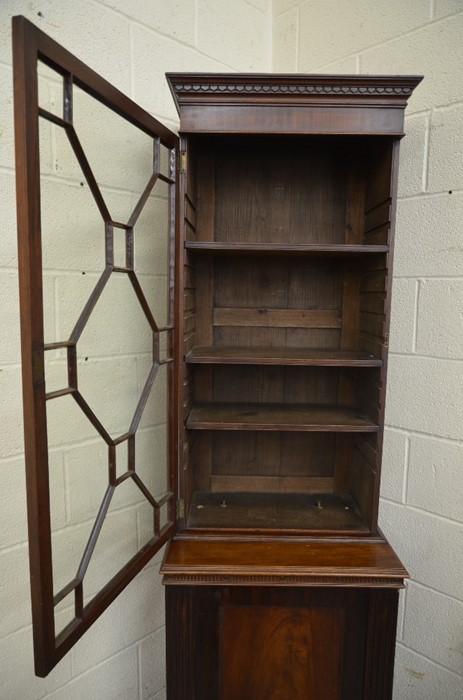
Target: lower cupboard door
[{"x": 263, "y": 643}]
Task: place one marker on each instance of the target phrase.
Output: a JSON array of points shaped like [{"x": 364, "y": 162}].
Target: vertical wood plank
[{"x": 25, "y": 49}]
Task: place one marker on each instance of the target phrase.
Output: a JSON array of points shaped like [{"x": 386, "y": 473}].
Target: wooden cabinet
[
  {"x": 281, "y": 192},
  {"x": 274, "y": 643},
  {"x": 279, "y": 584},
  {"x": 287, "y": 207}
]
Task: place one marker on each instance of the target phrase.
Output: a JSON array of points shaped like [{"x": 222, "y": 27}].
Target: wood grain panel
[
  {"x": 362, "y": 483},
  {"x": 205, "y": 203},
  {"x": 297, "y": 119},
  {"x": 263, "y": 384},
  {"x": 280, "y": 192},
  {"x": 378, "y": 236},
  {"x": 284, "y": 356},
  {"x": 378, "y": 184},
  {"x": 273, "y": 454},
  {"x": 276, "y": 653},
  {"x": 272, "y": 484},
  {"x": 355, "y": 199},
  {"x": 261, "y": 335},
  {"x": 282, "y": 318},
  {"x": 355, "y": 559},
  {"x": 368, "y": 448},
  {"x": 251, "y": 510},
  {"x": 372, "y": 302},
  {"x": 219, "y": 416},
  {"x": 378, "y": 215},
  {"x": 264, "y": 248},
  {"x": 190, "y": 213}
]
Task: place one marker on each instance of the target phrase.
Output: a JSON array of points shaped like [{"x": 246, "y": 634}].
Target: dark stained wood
[
  {"x": 284, "y": 563},
  {"x": 216, "y": 416},
  {"x": 284, "y": 88},
  {"x": 277, "y": 652},
  {"x": 180, "y": 630},
  {"x": 378, "y": 215},
  {"x": 293, "y": 262},
  {"x": 206, "y": 621},
  {"x": 208, "y": 615},
  {"x": 291, "y": 461},
  {"x": 290, "y": 192},
  {"x": 288, "y": 511},
  {"x": 277, "y": 356},
  {"x": 30, "y": 45},
  {"x": 32, "y": 341},
  {"x": 271, "y": 484},
  {"x": 230, "y": 248},
  {"x": 238, "y": 119},
  {"x": 380, "y": 648},
  {"x": 284, "y": 318}
]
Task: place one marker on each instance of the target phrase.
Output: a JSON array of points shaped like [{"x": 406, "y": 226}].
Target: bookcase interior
[{"x": 285, "y": 314}]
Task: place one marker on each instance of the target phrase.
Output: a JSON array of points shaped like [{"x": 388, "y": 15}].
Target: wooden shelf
[
  {"x": 280, "y": 356},
  {"x": 284, "y": 417},
  {"x": 297, "y": 511},
  {"x": 246, "y": 248}
]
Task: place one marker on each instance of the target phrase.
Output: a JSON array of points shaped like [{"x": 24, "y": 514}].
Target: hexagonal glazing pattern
[{"x": 110, "y": 228}]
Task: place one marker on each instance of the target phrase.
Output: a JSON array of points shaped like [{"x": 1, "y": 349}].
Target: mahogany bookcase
[{"x": 282, "y": 192}]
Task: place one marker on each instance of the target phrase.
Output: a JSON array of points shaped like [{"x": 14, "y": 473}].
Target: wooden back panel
[{"x": 289, "y": 191}]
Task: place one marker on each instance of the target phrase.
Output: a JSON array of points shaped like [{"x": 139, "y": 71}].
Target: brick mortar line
[
  {"x": 264, "y": 14},
  {"x": 448, "y": 105},
  {"x": 296, "y": 5},
  {"x": 416, "y": 310},
  {"x": 360, "y": 52},
  {"x": 411, "y": 115},
  {"x": 298, "y": 36},
  {"x": 404, "y": 615},
  {"x": 85, "y": 442},
  {"x": 132, "y": 20},
  {"x": 105, "y": 189},
  {"x": 426, "y": 357},
  {"x": 130, "y": 507},
  {"x": 424, "y": 586},
  {"x": 138, "y": 641},
  {"x": 426, "y": 159},
  {"x": 139, "y": 672},
  {"x": 91, "y": 274},
  {"x": 435, "y": 516},
  {"x": 61, "y": 359},
  {"x": 87, "y": 672},
  {"x": 428, "y": 658},
  {"x": 406, "y": 469},
  {"x": 418, "y": 433},
  {"x": 17, "y": 547},
  {"x": 102, "y": 358},
  {"x": 430, "y": 278},
  {"x": 428, "y": 195}
]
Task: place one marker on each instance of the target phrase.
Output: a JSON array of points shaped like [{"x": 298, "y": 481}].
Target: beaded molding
[
  {"x": 296, "y": 89},
  {"x": 233, "y": 579}
]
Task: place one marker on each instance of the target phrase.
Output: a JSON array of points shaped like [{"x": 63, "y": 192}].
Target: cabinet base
[{"x": 230, "y": 643}]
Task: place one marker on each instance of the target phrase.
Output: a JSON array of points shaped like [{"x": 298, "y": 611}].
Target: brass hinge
[
  {"x": 183, "y": 161},
  {"x": 181, "y": 508}
]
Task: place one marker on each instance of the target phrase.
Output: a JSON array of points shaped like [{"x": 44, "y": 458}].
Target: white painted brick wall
[{"x": 132, "y": 45}]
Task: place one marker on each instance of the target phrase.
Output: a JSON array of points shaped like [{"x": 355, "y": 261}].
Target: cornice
[{"x": 188, "y": 87}]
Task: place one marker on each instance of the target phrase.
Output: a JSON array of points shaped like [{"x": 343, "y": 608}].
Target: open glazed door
[{"x": 96, "y": 185}]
